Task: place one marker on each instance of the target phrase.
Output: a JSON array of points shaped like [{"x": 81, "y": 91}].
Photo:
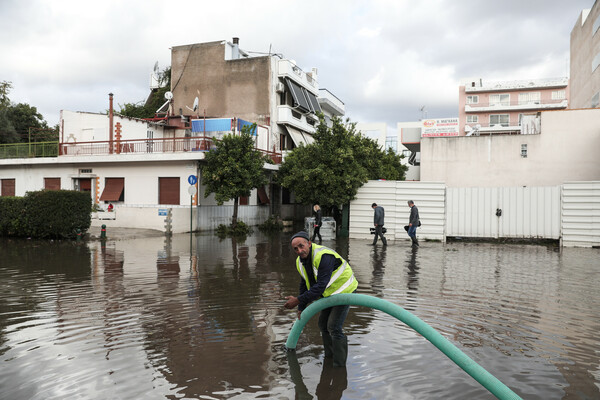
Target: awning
[
  {"x": 113, "y": 189},
  {"x": 314, "y": 103},
  {"x": 296, "y": 135},
  {"x": 262, "y": 195},
  {"x": 300, "y": 99}
]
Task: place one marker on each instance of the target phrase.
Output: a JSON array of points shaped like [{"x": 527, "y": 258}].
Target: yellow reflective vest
[{"x": 342, "y": 279}]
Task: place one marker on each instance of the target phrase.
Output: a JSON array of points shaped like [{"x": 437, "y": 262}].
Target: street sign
[
  {"x": 162, "y": 212},
  {"x": 192, "y": 190},
  {"x": 192, "y": 179}
]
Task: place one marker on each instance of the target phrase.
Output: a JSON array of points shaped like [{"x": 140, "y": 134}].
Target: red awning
[
  {"x": 113, "y": 189},
  {"x": 262, "y": 195}
]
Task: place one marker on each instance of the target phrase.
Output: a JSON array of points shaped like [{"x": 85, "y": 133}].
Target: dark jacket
[
  {"x": 414, "y": 216},
  {"x": 318, "y": 217},
  {"x": 379, "y": 216}
]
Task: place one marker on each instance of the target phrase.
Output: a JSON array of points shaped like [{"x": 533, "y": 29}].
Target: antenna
[{"x": 195, "y": 106}]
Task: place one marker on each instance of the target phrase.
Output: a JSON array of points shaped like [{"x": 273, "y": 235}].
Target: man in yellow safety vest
[{"x": 324, "y": 273}]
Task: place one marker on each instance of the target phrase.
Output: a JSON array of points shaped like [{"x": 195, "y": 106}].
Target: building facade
[
  {"x": 508, "y": 107},
  {"x": 219, "y": 79},
  {"x": 585, "y": 60}
]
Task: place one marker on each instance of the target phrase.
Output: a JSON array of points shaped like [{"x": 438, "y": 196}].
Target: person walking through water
[
  {"x": 318, "y": 222},
  {"x": 378, "y": 221},
  {"x": 413, "y": 222},
  {"x": 323, "y": 273}
]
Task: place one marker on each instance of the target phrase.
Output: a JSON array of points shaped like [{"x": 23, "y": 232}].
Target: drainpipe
[{"x": 110, "y": 123}]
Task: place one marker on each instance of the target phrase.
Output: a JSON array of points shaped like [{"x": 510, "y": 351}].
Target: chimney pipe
[
  {"x": 110, "y": 123},
  {"x": 236, "y": 49}
]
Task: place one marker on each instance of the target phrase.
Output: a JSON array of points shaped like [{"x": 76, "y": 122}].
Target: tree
[
  {"x": 332, "y": 169},
  {"x": 28, "y": 122},
  {"x": 8, "y": 134},
  {"x": 234, "y": 168}
]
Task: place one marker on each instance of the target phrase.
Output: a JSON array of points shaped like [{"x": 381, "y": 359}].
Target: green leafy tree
[
  {"x": 29, "y": 123},
  {"x": 332, "y": 169},
  {"x": 234, "y": 168},
  {"x": 8, "y": 134}
]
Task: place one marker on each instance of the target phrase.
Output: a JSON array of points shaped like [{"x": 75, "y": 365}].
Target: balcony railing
[
  {"x": 118, "y": 147},
  {"x": 516, "y": 105},
  {"x": 29, "y": 150},
  {"x": 291, "y": 70}
]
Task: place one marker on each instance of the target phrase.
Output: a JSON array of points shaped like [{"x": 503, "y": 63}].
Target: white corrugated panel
[
  {"x": 526, "y": 212},
  {"x": 429, "y": 197},
  {"x": 580, "y": 214}
]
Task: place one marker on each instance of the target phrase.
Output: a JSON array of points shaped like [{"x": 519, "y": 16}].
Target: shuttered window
[
  {"x": 262, "y": 196},
  {"x": 8, "y": 187},
  {"x": 52, "y": 183},
  {"x": 243, "y": 200},
  {"x": 113, "y": 189},
  {"x": 168, "y": 191}
]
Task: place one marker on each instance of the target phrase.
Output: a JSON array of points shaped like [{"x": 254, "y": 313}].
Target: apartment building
[
  {"x": 585, "y": 60},
  {"x": 508, "y": 107},
  {"x": 219, "y": 79}
]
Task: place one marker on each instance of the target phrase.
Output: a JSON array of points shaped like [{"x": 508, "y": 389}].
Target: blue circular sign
[{"x": 192, "y": 179}]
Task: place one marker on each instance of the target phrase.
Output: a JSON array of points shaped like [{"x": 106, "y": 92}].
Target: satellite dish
[{"x": 168, "y": 95}]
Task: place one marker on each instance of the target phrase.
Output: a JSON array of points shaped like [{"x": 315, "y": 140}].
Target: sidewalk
[{"x": 115, "y": 233}]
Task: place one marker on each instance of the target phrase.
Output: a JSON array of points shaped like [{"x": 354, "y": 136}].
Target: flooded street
[{"x": 203, "y": 318}]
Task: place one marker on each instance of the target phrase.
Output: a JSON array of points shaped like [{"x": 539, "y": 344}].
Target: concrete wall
[
  {"x": 225, "y": 88},
  {"x": 566, "y": 150},
  {"x": 585, "y": 45},
  {"x": 89, "y": 127}
]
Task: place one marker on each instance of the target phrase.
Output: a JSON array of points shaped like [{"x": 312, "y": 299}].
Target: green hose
[{"x": 487, "y": 380}]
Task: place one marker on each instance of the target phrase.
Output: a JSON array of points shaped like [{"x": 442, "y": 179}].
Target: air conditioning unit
[{"x": 279, "y": 87}]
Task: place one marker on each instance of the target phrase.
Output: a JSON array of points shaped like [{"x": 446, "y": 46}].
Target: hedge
[{"x": 46, "y": 214}]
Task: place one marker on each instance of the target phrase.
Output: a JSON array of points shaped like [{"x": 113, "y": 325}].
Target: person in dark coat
[
  {"x": 318, "y": 222},
  {"x": 413, "y": 223},
  {"x": 378, "y": 221}
]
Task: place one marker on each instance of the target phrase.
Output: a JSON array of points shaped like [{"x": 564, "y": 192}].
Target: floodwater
[{"x": 203, "y": 318}]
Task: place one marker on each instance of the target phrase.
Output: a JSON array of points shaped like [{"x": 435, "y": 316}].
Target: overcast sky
[{"x": 383, "y": 59}]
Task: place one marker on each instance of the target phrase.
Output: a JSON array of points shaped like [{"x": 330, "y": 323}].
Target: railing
[
  {"x": 517, "y": 103},
  {"x": 29, "y": 150},
  {"x": 121, "y": 147}
]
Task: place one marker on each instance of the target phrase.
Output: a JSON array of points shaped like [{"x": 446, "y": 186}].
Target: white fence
[
  {"x": 429, "y": 197},
  {"x": 570, "y": 212},
  {"x": 508, "y": 212},
  {"x": 580, "y": 214}
]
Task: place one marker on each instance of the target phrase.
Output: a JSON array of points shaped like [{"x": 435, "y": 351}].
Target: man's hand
[
  {"x": 291, "y": 302},
  {"x": 299, "y": 313}
]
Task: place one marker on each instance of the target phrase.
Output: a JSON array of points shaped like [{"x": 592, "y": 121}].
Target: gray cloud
[{"x": 385, "y": 59}]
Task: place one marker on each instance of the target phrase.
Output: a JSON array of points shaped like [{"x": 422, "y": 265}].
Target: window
[
  {"x": 524, "y": 150},
  {"x": 114, "y": 189},
  {"x": 500, "y": 99},
  {"x": 243, "y": 201},
  {"x": 472, "y": 119},
  {"x": 300, "y": 100},
  {"x": 499, "y": 119},
  {"x": 52, "y": 183},
  {"x": 558, "y": 95},
  {"x": 529, "y": 98},
  {"x": 472, "y": 99},
  {"x": 7, "y": 187},
  {"x": 391, "y": 142},
  {"x": 168, "y": 191}
]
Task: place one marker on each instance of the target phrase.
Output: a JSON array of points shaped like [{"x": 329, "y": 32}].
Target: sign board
[
  {"x": 192, "y": 190},
  {"x": 192, "y": 179},
  {"x": 162, "y": 212},
  {"x": 440, "y": 127}
]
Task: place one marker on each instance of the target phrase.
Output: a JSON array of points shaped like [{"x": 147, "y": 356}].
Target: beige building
[
  {"x": 585, "y": 60},
  {"x": 219, "y": 79},
  {"x": 565, "y": 150}
]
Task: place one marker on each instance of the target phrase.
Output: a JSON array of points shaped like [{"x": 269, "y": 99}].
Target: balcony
[
  {"x": 288, "y": 116},
  {"x": 527, "y": 84},
  {"x": 330, "y": 103},
  {"x": 285, "y": 68},
  {"x": 516, "y": 106}
]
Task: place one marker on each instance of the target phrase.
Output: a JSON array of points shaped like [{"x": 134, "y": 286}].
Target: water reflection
[
  {"x": 152, "y": 318},
  {"x": 332, "y": 382}
]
